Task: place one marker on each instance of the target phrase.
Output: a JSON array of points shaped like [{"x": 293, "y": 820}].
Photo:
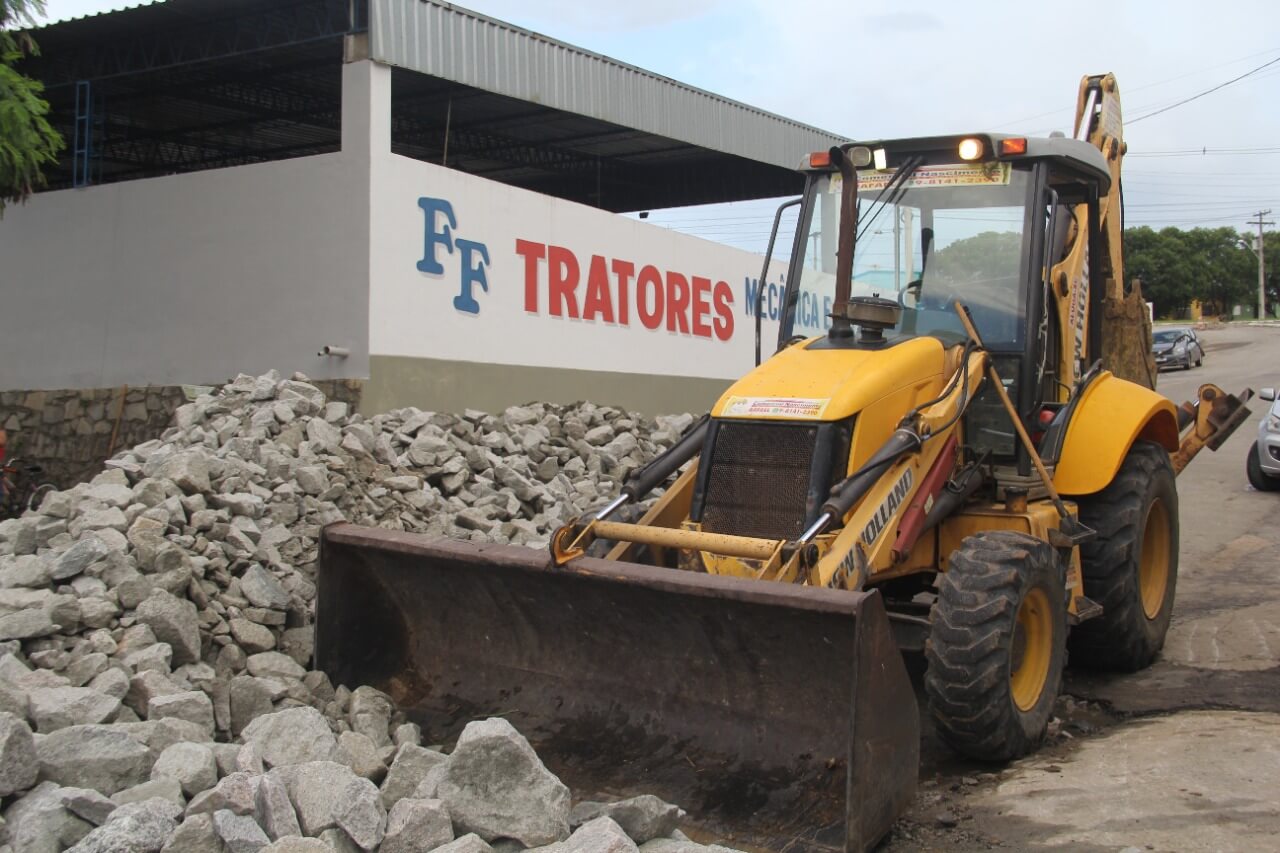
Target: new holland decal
[{"x": 892, "y": 501}]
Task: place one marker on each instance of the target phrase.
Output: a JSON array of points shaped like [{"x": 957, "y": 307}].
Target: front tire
[
  {"x": 1259, "y": 479},
  {"x": 1131, "y": 568},
  {"x": 997, "y": 645}
]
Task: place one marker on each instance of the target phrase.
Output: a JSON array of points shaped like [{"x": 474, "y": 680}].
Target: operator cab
[{"x": 981, "y": 219}]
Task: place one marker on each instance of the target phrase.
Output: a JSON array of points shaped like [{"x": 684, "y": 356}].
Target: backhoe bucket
[{"x": 775, "y": 714}]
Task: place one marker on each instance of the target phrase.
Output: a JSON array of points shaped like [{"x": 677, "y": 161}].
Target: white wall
[
  {"x": 187, "y": 279},
  {"x": 420, "y": 313},
  {"x": 194, "y": 278}
]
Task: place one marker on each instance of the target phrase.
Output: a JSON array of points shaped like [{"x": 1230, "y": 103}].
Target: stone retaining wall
[{"x": 70, "y": 432}]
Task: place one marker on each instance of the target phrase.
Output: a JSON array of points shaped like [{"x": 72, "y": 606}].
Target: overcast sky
[{"x": 884, "y": 68}]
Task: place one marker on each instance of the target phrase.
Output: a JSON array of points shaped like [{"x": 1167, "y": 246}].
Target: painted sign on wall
[{"x": 467, "y": 269}]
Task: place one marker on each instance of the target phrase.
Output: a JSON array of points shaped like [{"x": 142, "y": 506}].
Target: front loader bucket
[{"x": 775, "y": 714}]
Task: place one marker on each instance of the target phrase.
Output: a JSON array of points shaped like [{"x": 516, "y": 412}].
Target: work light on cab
[
  {"x": 970, "y": 149},
  {"x": 860, "y": 156},
  {"x": 1015, "y": 145}
]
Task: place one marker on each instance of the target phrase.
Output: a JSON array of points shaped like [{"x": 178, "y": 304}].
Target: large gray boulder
[
  {"x": 274, "y": 665},
  {"x": 88, "y": 804},
  {"x": 601, "y": 835},
  {"x": 53, "y": 708},
  {"x": 249, "y": 698},
  {"x": 408, "y": 769},
  {"x": 193, "y": 706},
  {"x": 262, "y": 589},
  {"x": 329, "y": 795},
  {"x": 147, "y": 685},
  {"x": 239, "y": 833},
  {"x": 134, "y": 828},
  {"x": 251, "y": 636},
  {"x": 19, "y": 767},
  {"x": 174, "y": 621},
  {"x": 191, "y": 765},
  {"x": 415, "y": 825},
  {"x": 236, "y": 792},
  {"x": 642, "y": 818},
  {"x": 159, "y": 735},
  {"x": 273, "y": 808},
  {"x": 40, "y": 823},
  {"x": 189, "y": 470},
  {"x": 27, "y": 625},
  {"x": 495, "y": 785},
  {"x": 87, "y": 551},
  {"x": 358, "y": 752},
  {"x": 194, "y": 835},
  {"x": 291, "y": 736},
  {"x": 104, "y": 758},
  {"x": 163, "y": 788},
  {"x": 370, "y": 714}
]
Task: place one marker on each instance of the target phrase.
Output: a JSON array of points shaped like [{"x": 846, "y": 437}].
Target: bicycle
[{"x": 21, "y": 488}]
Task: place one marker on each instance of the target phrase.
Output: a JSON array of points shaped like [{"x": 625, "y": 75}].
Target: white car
[{"x": 1263, "y": 464}]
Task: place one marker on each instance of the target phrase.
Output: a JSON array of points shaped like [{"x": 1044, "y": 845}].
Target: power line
[
  {"x": 1206, "y": 152},
  {"x": 1205, "y": 92},
  {"x": 1066, "y": 111}
]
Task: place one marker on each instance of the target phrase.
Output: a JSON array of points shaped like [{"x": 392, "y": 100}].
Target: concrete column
[{"x": 366, "y": 108}]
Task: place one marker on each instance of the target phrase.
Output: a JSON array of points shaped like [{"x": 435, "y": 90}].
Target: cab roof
[{"x": 1074, "y": 155}]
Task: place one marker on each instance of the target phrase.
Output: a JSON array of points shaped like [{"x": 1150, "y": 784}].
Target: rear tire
[
  {"x": 1259, "y": 479},
  {"x": 1131, "y": 568},
  {"x": 997, "y": 645}
]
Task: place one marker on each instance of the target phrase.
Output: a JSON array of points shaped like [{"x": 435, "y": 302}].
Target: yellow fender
[{"x": 1110, "y": 417}]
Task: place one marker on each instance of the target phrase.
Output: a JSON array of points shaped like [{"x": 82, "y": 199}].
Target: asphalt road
[{"x": 1186, "y": 755}]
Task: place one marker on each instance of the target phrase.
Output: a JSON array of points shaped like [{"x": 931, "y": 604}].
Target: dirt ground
[{"x": 1186, "y": 755}]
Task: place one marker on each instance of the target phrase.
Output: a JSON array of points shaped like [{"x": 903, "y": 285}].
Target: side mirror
[{"x": 1267, "y": 393}]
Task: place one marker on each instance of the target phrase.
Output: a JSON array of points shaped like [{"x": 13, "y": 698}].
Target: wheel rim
[
  {"x": 1032, "y": 650},
  {"x": 1153, "y": 570}
]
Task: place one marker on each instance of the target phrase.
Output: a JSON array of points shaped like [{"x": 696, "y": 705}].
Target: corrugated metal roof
[{"x": 457, "y": 44}]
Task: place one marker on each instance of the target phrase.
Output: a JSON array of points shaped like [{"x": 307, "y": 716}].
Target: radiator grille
[{"x": 759, "y": 480}]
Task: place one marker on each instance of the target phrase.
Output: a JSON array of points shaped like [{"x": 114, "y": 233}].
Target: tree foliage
[
  {"x": 982, "y": 257},
  {"x": 1213, "y": 265},
  {"x": 28, "y": 142},
  {"x": 1216, "y": 266}
]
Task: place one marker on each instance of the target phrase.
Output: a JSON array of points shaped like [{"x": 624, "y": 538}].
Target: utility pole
[{"x": 1262, "y": 263}]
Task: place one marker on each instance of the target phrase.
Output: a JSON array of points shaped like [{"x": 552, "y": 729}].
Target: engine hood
[{"x": 807, "y": 383}]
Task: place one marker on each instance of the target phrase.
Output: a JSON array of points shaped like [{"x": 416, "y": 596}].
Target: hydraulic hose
[
  {"x": 643, "y": 481},
  {"x": 850, "y": 490}
]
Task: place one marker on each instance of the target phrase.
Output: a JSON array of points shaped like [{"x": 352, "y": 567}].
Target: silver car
[
  {"x": 1263, "y": 465},
  {"x": 1177, "y": 346}
]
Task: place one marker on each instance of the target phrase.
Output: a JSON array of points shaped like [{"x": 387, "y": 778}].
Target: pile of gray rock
[{"x": 156, "y": 635}]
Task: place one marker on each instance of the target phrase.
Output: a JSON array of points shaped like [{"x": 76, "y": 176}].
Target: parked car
[
  {"x": 1263, "y": 464},
  {"x": 1177, "y": 346}
]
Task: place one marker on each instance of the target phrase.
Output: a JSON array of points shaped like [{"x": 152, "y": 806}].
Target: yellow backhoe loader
[{"x": 956, "y": 449}]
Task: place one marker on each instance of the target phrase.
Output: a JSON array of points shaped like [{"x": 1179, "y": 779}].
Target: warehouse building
[{"x": 402, "y": 197}]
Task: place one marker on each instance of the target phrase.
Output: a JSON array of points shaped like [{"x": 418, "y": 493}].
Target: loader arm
[{"x": 1101, "y": 319}]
